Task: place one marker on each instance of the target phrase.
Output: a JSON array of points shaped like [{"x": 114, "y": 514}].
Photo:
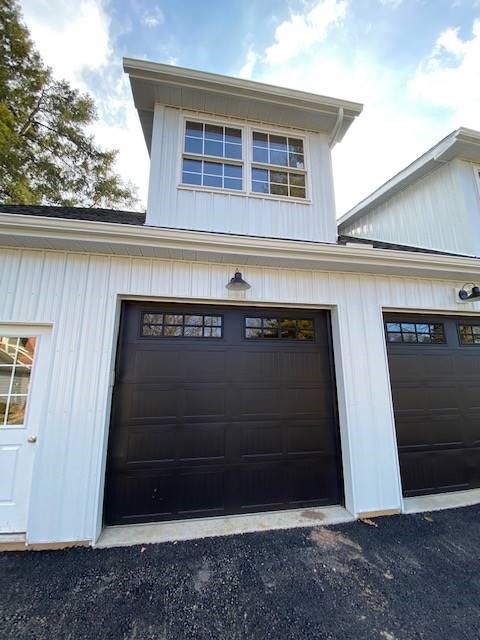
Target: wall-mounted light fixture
[
  {"x": 237, "y": 283},
  {"x": 469, "y": 291}
]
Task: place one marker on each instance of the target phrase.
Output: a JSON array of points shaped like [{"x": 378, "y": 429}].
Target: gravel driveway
[{"x": 407, "y": 577}]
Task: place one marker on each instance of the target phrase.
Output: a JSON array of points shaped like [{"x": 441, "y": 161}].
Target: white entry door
[{"x": 19, "y": 422}]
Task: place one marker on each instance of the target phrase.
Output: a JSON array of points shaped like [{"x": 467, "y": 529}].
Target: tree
[{"x": 46, "y": 156}]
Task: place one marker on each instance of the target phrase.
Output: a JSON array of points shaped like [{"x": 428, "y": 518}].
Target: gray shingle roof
[{"x": 76, "y": 213}]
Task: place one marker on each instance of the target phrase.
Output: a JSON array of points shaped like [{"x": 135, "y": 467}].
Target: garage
[
  {"x": 434, "y": 366},
  {"x": 221, "y": 410}
]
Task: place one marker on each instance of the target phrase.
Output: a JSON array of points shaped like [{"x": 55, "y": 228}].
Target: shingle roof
[
  {"x": 76, "y": 213},
  {"x": 138, "y": 218}
]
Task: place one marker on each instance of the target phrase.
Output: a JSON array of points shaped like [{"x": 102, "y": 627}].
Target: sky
[{"x": 414, "y": 64}]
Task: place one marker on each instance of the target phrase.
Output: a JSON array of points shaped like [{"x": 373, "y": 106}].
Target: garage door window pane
[
  {"x": 469, "y": 333},
  {"x": 415, "y": 333},
  {"x": 174, "y": 325},
  {"x": 16, "y": 359},
  {"x": 279, "y": 328}
]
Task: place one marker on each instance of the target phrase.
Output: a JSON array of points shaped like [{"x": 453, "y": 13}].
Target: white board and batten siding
[
  {"x": 440, "y": 211},
  {"x": 79, "y": 295},
  {"x": 184, "y": 207}
]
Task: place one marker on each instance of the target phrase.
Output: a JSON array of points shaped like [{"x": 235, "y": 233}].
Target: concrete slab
[
  {"x": 124, "y": 536},
  {"x": 439, "y": 501}
]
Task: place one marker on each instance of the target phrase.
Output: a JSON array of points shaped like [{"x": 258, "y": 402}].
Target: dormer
[
  {"x": 236, "y": 156},
  {"x": 433, "y": 203}
]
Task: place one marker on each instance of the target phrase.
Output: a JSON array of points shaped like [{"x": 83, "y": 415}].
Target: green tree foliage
[{"x": 46, "y": 156}]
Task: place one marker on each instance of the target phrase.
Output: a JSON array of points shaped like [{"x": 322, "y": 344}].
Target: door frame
[
  {"x": 344, "y": 466},
  {"x": 36, "y": 400}
]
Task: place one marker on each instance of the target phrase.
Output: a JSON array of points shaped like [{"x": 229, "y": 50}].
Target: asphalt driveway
[{"x": 408, "y": 577}]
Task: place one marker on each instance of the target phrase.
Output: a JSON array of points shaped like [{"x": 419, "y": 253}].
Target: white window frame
[
  {"x": 476, "y": 171},
  {"x": 246, "y": 162},
  {"x": 200, "y": 156},
  {"x": 16, "y": 334}
]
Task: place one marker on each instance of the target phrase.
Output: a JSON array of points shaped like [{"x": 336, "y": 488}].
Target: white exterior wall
[
  {"x": 254, "y": 215},
  {"x": 79, "y": 296},
  {"x": 440, "y": 211}
]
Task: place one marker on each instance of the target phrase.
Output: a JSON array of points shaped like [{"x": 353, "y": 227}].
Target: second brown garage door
[
  {"x": 435, "y": 376},
  {"x": 221, "y": 410}
]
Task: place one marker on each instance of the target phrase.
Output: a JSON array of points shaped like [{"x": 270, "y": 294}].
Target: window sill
[{"x": 244, "y": 194}]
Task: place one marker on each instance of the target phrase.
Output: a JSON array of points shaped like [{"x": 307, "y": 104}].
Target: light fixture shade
[{"x": 237, "y": 283}]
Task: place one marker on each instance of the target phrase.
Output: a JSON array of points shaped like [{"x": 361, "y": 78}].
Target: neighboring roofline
[
  {"x": 150, "y": 74},
  {"x": 31, "y": 232},
  {"x": 462, "y": 143}
]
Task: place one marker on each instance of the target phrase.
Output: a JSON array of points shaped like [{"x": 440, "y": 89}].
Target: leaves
[{"x": 46, "y": 156}]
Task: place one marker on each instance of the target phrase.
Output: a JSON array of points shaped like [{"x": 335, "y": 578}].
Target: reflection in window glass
[
  {"x": 418, "y": 333},
  {"x": 212, "y": 174},
  {"x": 469, "y": 333},
  {"x": 279, "y": 183},
  {"x": 173, "y": 325},
  {"x": 16, "y": 360},
  {"x": 279, "y": 328},
  {"x": 280, "y": 150},
  {"x": 213, "y": 140}
]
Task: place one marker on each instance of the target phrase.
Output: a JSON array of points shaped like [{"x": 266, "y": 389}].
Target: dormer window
[{"x": 207, "y": 147}]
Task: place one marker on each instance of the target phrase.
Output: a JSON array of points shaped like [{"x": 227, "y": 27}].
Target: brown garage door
[
  {"x": 435, "y": 377},
  {"x": 219, "y": 411}
]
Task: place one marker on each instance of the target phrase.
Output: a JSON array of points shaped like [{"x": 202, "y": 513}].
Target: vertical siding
[
  {"x": 437, "y": 212},
  {"x": 169, "y": 206},
  {"x": 78, "y": 294}
]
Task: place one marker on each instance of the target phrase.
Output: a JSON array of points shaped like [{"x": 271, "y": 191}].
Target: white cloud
[
  {"x": 250, "y": 61},
  {"x": 450, "y": 77},
  {"x": 75, "y": 40},
  {"x": 153, "y": 19},
  {"x": 302, "y": 31}
]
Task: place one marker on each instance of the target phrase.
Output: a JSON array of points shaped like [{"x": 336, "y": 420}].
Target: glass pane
[
  {"x": 423, "y": 328},
  {"x": 476, "y": 339},
  {"x": 173, "y": 331},
  {"x": 233, "y": 171},
  {"x": 3, "y": 409},
  {"x": 296, "y": 161},
  {"x": 437, "y": 333},
  {"x": 297, "y": 179},
  {"x": 213, "y": 168},
  {"x": 305, "y": 335},
  {"x": 466, "y": 337},
  {"x": 260, "y": 155},
  {"x": 279, "y": 177},
  {"x": 194, "y": 129},
  {"x": 476, "y": 329},
  {"x": 196, "y": 321},
  {"x": 253, "y": 333},
  {"x": 212, "y": 332},
  {"x": 297, "y": 192},
  {"x": 270, "y": 333},
  {"x": 212, "y": 181},
  {"x": 191, "y": 178},
  {"x": 260, "y": 187},
  {"x": 278, "y": 143},
  {"x": 213, "y": 321},
  {"x": 289, "y": 333},
  {"x": 408, "y": 327},
  {"x": 213, "y": 148},
  {"x": 191, "y": 332},
  {"x": 154, "y": 318},
  {"x": 193, "y": 145},
  {"x": 295, "y": 145},
  {"x": 5, "y": 379},
  {"x": 232, "y": 183},
  {"x": 193, "y": 166},
  {"x": 16, "y": 409},
  {"x": 233, "y": 135},
  {"x": 21, "y": 379},
  {"x": 409, "y": 337},
  {"x": 394, "y": 337},
  {"x": 279, "y": 189},
  {"x": 393, "y": 326},
  {"x": 260, "y": 139},
  {"x": 279, "y": 157},
  {"x": 233, "y": 151},
  {"x": 424, "y": 337},
  {"x": 26, "y": 347},
  {"x": 213, "y": 132},
  {"x": 271, "y": 323},
  {"x": 171, "y": 318},
  {"x": 8, "y": 350},
  {"x": 253, "y": 322},
  {"x": 260, "y": 174},
  {"x": 152, "y": 330}
]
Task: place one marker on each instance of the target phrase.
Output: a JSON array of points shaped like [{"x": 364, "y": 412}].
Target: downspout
[{"x": 336, "y": 128}]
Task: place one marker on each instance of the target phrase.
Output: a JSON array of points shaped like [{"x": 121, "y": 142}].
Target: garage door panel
[
  {"x": 436, "y": 399},
  {"x": 228, "y": 425}
]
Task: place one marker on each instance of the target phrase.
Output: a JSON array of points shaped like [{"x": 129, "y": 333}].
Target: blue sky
[{"x": 415, "y": 64}]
